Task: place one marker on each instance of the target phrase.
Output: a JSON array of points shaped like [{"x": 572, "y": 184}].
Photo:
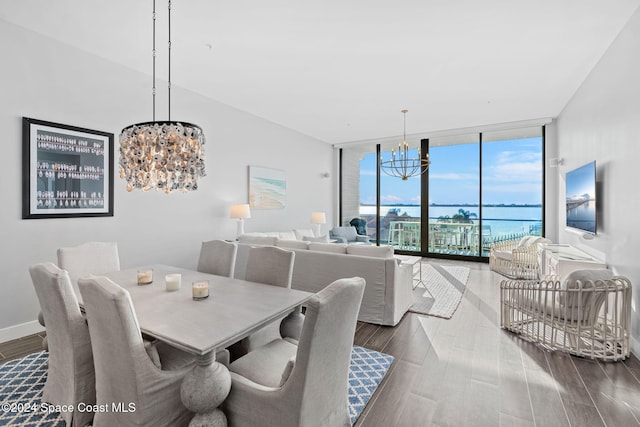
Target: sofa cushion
[
  {"x": 336, "y": 248},
  {"x": 319, "y": 239},
  {"x": 383, "y": 251},
  {"x": 287, "y": 235},
  {"x": 292, "y": 244},
  {"x": 302, "y": 232},
  {"x": 257, "y": 240}
]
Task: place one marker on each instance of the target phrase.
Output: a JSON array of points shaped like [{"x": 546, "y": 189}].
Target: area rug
[
  {"x": 444, "y": 288},
  {"x": 21, "y": 384}
]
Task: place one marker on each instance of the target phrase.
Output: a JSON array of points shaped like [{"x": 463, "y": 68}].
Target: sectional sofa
[{"x": 388, "y": 291}]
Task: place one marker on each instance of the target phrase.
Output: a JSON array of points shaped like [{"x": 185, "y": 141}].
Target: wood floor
[{"x": 466, "y": 371}]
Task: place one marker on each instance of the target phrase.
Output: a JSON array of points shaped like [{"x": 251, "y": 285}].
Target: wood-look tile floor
[{"x": 466, "y": 371}]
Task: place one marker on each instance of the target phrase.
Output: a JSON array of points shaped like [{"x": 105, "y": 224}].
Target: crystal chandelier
[
  {"x": 401, "y": 164},
  {"x": 165, "y": 155}
]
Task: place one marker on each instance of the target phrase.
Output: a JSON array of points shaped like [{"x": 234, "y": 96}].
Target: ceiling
[{"x": 341, "y": 70}]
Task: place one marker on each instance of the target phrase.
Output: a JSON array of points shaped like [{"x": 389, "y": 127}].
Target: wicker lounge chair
[{"x": 588, "y": 314}]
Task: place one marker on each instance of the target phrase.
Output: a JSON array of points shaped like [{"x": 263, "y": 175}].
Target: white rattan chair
[
  {"x": 518, "y": 258},
  {"x": 588, "y": 314}
]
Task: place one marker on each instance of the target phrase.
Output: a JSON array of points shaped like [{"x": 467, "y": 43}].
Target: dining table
[{"x": 233, "y": 310}]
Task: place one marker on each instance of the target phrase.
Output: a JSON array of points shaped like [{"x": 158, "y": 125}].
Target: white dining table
[{"x": 234, "y": 309}]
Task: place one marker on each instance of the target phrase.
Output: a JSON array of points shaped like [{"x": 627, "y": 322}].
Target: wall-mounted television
[{"x": 581, "y": 198}]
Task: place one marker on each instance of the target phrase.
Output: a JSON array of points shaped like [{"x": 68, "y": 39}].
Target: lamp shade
[
  {"x": 240, "y": 211},
  {"x": 318, "y": 218}
]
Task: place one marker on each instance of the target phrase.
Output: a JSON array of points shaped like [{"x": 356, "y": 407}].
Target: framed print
[
  {"x": 267, "y": 188},
  {"x": 67, "y": 171}
]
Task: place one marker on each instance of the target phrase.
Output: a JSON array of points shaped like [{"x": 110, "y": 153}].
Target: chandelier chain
[
  {"x": 169, "y": 76},
  {"x": 153, "y": 54}
]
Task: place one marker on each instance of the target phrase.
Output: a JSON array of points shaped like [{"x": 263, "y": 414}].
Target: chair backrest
[
  {"x": 70, "y": 378},
  {"x": 88, "y": 258},
  {"x": 347, "y": 232},
  {"x": 118, "y": 348},
  {"x": 218, "y": 257},
  {"x": 324, "y": 353},
  {"x": 125, "y": 373},
  {"x": 270, "y": 265},
  {"x": 360, "y": 225}
]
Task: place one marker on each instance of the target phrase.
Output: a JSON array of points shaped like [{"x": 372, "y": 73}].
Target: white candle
[
  {"x": 172, "y": 282},
  {"x": 200, "y": 289},
  {"x": 145, "y": 276}
]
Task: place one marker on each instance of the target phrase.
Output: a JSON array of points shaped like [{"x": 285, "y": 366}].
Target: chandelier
[
  {"x": 165, "y": 155},
  {"x": 401, "y": 164}
]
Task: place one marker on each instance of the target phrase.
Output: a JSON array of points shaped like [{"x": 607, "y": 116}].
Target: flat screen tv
[{"x": 581, "y": 198}]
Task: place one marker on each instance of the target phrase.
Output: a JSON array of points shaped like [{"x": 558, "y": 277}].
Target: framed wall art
[
  {"x": 67, "y": 171},
  {"x": 267, "y": 188}
]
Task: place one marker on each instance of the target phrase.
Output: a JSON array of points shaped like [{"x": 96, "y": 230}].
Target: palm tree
[{"x": 464, "y": 216}]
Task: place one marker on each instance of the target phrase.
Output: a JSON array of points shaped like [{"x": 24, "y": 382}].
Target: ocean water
[{"x": 502, "y": 219}]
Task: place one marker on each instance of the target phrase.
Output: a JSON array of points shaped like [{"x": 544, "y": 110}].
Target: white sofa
[{"x": 388, "y": 291}]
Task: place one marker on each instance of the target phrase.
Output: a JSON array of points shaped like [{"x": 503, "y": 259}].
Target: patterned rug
[
  {"x": 21, "y": 384},
  {"x": 444, "y": 288}
]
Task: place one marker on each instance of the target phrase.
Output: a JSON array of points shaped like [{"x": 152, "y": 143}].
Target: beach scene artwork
[{"x": 267, "y": 188}]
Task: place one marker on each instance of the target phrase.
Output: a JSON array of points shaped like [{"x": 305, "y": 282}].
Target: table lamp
[
  {"x": 240, "y": 212},
  {"x": 317, "y": 219}
]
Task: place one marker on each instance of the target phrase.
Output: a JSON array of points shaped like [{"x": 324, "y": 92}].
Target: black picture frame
[{"x": 67, "y": 171}]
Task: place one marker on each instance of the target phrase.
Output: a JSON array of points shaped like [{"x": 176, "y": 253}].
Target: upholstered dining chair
[
  {"x": 218, "y": 257},
  {"x": 273, "y": 266},
  {"x": 88, "y": 258},
  {"x": 82, "y": 260},
  {"x": 287, "y": 385},
  {"x": 70, "y": 374},
  {"x": 126, "y": 371}
]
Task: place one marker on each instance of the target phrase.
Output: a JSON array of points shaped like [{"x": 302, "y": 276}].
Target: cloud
[{"x": 391, "y": 200}]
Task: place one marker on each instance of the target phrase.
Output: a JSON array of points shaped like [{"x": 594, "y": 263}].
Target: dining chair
[
  {"x": 88, "y": 258},
  {"x": 70, "y": 372},
  {"x": 269, "y": 265},
  {"x": 82, "y": 260},
  {"x": 218, "y": 257},
  {"x": 148, "y": 379},
  {"x": 287, "y": 385}
]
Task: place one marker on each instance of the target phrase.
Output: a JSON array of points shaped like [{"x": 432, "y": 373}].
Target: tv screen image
[{"x": 581, "y": 198}]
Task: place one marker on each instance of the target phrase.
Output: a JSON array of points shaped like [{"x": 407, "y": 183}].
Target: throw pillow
[
  {"x": 320, "y": 239},
  {"x": 302, "y": 232}
]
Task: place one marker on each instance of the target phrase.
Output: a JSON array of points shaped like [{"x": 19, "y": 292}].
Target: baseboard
[{"x": 19, "y": 331}]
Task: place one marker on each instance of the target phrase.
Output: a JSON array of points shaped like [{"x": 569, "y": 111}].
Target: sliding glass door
[{"x": 454, "y": 196}]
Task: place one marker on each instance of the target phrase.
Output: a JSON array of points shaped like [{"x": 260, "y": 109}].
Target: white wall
[
  {"x": 602, "y": 123},
  {"x": 43, "y": 79}
]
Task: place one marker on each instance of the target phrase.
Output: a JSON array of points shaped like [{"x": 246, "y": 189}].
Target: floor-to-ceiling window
[
  {"x": 454, "y": 195},
  {"x": 480, "y": 188}
]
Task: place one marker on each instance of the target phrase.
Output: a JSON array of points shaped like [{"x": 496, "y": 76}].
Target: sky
[{"x": 512, "y": 174}]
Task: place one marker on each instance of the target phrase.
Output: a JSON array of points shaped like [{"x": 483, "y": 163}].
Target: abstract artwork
[{"x": 267, "y": 188}]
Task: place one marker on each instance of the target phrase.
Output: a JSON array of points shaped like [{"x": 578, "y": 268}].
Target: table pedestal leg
[{"x": 204, "y": 389}]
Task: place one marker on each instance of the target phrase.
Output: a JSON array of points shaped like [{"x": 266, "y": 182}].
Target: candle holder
[
  {"x": 200, "y": 290},
  {"x": 172, "y": 282},
  {"x": 145, "y": 276}
]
